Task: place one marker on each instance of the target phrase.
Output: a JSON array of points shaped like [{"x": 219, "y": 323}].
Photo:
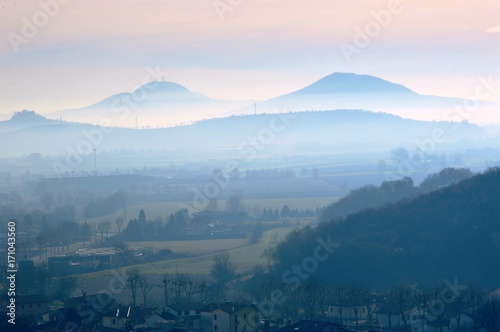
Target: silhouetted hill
[
  {"x": 352, "y": 91},
  {"x": 352, "y": 83},
  {"x": 152, "y": 104},
  {"x": 453, "y": 232},
  {"x": 371, "y": 196},
  {"x": 24, "y": 119},
  {"x": 302, "y": 132}
]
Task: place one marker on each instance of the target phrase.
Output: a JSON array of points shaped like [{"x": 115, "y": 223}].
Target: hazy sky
[{"x": 82, "y": 51}]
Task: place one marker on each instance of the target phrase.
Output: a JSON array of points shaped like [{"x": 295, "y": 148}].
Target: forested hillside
[
  {"x": 371, "y": 196},
  {"x": 453, "y": 232}
]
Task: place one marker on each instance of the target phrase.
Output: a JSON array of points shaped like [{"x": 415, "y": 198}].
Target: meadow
[{"x": 245, "y": 257}]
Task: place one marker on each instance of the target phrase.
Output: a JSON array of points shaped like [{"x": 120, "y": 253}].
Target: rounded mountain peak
[
  {"x": 163, "y": 87},
  {"x": 353, "y": 83}
]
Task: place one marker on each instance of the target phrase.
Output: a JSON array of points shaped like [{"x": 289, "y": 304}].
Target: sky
[{"x": 61, "y": 54}]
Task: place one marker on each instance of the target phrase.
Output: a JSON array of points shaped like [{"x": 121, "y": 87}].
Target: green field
[
  {"x": 192, "y": 247},
  {"x": 245, "y": 258}
]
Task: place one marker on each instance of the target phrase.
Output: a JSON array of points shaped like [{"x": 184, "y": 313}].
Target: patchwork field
[{"x": 245, "y": 257}]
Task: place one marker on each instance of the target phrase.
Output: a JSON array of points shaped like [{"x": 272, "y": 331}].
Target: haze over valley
[{"x": 229, "y": 166}]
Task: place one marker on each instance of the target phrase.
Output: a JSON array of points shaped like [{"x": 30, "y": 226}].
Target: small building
[
  {"x": 27, "y": 306},
  {"x": 135, "y": 317},
  {"x": 187, "y": 314},
  {"x": 229, "y": 317}
]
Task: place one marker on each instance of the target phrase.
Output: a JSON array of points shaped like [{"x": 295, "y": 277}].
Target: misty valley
[{"x": 336, "y": 207}]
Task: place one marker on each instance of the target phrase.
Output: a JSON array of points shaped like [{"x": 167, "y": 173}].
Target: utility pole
[{"x": 95, "y": 163}]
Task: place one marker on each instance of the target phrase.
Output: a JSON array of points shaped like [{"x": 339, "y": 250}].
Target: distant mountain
[
  {"x": 342, "y": 83},
  {"x": 151, "y": 105},
  {"x": 451, "y": 233},
  {"x": 161, "y": 104},
  {"x": 352, "y": 91},
  {"x": 286, "y": 133},
  {"x": 24, "y": 119}
]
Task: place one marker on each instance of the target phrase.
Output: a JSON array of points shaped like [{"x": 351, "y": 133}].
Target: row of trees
[
  {"x": 268, "y": 214},
  {"x": 184, "y": 288},
  {"x": 405, "y": 307},
  {"x": 179, "y": 221},
  {"x": 38, "y": 279}
]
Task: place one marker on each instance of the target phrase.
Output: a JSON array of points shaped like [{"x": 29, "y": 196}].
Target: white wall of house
[{"x": 221, "y": 321}]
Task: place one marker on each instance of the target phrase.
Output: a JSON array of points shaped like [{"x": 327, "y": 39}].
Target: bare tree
[
  {"x": 354, "y": 299},
  {"x": 403, "y": 296},
  {"x": 391, "y": 305},
  {"x": 165, "y": 282},
  {"x": 119, "y": 223},
  {"x": 132, "y": 284},
  {"x": 475, "y": 298},
  {"x": 223, "y": 269},
  {"x": 341, "y": 302},
  {"x": 145, "y": 287},
  {"x": 189, "y": 289},
  {"x": 94, "y": 232},
  {"x": 369, "y": 301},
  {"x": 101, "y": 229},
  {"x": 178, "y": 283}
]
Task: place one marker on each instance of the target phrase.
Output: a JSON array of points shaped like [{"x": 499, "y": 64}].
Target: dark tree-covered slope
[
  {"x": 453, "y": 232},
  {"x": 371, "y": 196}
]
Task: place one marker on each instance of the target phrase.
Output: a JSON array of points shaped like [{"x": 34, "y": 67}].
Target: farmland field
[
  {"x": 192, "y": 247},
  {"x": 155, "y": 210},
  {"x": 245, "y": 258}
]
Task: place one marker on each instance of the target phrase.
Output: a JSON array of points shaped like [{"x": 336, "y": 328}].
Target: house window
[
  {"x": 215, "y": 327},
  {"x": 31, "y": 306},
  {"x": 113, "y": 321},
  {"x": 215, "y": 318},
  {"x": 245, "y": 316}
]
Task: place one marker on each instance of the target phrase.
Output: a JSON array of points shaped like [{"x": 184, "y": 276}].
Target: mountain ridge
[
  {"x": 322, "y": 128},
  {"x": 163, "y": 104}
]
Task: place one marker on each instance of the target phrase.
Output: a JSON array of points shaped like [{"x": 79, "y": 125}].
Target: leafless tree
[
  {"x": 369, "y": 301},
  {"x": 403, "y": 297},
  {"x": 119, "y": 223},
  {"x": 165, "y": 283},
  {"x": 132, "y": 284},
  {"x": 178, "y": 284},
  {"x": 145, "y": 287}
]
